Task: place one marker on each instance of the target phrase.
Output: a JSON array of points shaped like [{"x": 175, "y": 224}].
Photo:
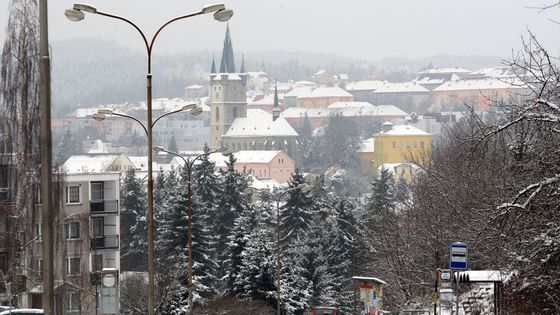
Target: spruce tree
[
  {"x": 231, "y": 203},
  {"x": 297, "y": 211},
  {"x": 296, "y": 289},
  {"x": 256, "y": 276},
  {"x": 66, "y": 148},
  {"x": 133, "y": 207}
]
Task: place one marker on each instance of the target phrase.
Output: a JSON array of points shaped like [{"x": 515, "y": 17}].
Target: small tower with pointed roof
[
  {"x": 228, "y": 93},
  {"x": 276, "y": 107}
]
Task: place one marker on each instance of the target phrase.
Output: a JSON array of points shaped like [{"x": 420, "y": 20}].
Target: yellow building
[
  {"x": 322, "y": 97},
  {"x": 365, "y": 154},
  {"x": 401, "y": 144}
]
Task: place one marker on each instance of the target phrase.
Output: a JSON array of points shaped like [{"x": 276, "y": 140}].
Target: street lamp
[
  {"x": 303, "y": 187},
  {"x": 189, "y": 165},
  {"x": 220, "y": 14}
]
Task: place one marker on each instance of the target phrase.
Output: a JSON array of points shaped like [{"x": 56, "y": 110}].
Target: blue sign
[{"x": 458, "y": 256}]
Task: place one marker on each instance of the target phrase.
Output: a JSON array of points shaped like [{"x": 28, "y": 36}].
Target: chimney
[{"x": 387, "y": 126}]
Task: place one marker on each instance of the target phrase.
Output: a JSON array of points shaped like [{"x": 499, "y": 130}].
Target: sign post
[{"x": 458, "y": 253}]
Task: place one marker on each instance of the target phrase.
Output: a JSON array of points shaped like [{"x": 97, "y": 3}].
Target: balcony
[
  {"x": 105, "y": 242},
  {"x": 101, "y": 207},
  {"x": 6, "y": 195}
]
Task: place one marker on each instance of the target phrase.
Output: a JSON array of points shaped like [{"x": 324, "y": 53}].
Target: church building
[{"x": 235, "y": 127}]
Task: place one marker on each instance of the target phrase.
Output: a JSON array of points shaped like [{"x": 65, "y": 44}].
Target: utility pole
[{"x": 47, "y": 212}]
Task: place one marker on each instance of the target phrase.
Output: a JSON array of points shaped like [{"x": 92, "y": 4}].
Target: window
[
  {"x": 72, "y": 230},
  {"x": 73, "y": 194},
  {"x": 217, "y": 115},
  {"x": 72, "y": 302},
  {"x": 421, "y": 144},
  {"x": 39, "y": 231},
  {"x": 394, "y": 145},
  {"x": 39, "y": 267},
  {"x": 97, "y": 226},
  {"x": 97, "y": 262},
  {"x": 97, "y": 190},
  {"x": 2, "y": 225},
  {"x": 72, "y": 265}
]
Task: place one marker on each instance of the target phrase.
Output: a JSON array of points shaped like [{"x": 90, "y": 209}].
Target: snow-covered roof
[
  {"x": 84, "y": 112},
  {"x": 89, "y": 163},
  {"x": 369, "y": 279},
  {"x": 328, "y": 91},
  {"x": 228, "y": 76},
  {"x": 480, "y": 84},
  {"x": 304, "y": 83},
  {"x": 401, "y": 87},
  {"x": 194, "y": 87},
  {"x": 366, "y": 145},
  {"x": 269, "y": 183},
  {"x": 259, "y": 156},
  {"x": 368, "y": 85},
  {"x": 389, "y": 110},
  {"x": 495, "y": 72},
  {"x": 404, "y": 130},
  {"x": 351, "y": 104},
  {"x": 260, "y": 123},
  {"x": 445, "y": 70},
  {"x": 297, "y": 91}
]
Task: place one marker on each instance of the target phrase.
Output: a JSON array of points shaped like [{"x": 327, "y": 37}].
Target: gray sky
[{"x": 358, "y": 28}]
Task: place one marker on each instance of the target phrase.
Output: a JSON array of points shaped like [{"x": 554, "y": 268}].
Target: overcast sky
[{"x": 370, "y": 29}]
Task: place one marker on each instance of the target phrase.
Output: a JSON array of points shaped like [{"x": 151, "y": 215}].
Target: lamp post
[
  {"x": 221, "y": 14},
  {"x": 101, "y": 115},
  {"x": 189, "y": 165},
  {"x": 277, "y": 199}
]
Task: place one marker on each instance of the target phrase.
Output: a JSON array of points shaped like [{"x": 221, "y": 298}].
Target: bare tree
[{"x": 19, "y": 108}]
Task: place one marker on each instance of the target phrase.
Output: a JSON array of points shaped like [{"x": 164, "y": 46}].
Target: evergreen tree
[
  {"x": 206, "y": 185},
  {"x": 382, "y": 198},
  {"x": 236, "y": 247},
  {"x": 297, "y": 212},
  {"x": 66, "y": 148},
  {"x": 133, "y": 207},
  {"x": 173, "y": 145},
  {"x": 256, "y": 276},
  {"x": 296, "y": 289},
  {"x": 305, "y": 132},
  {"x": 232, "y": 202}
]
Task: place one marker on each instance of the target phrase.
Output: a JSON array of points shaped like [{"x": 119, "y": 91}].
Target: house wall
[{"x": 399, "y": 149}]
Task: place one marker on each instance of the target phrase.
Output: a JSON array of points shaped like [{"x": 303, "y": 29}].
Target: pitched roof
[
  {"x": 368, "y": 85},
  {"x": 445, "y": 70},
  {"x": 404, "y": 130},
  {"x": 388, "y": 110},
  {"x": 329, "y": 91},
  {"x": 227, "y": 65},
  {"x": 367, "y": 145},
  {"x": 260, "y": 123},
  {"x": 89, "y": 163},
  {"x": 481, "y": 84},
  {"x": 401, "y": 87},
  {"x": 351, "y": 105}
]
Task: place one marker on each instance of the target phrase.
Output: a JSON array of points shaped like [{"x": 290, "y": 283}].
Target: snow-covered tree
[
  {"x": 297, "y": 211},
  {"x": 66, "y": 148},
  {"x": 133, "y": 207}
]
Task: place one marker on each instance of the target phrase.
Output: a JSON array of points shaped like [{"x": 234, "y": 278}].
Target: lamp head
[
  {"x": 84, "y": 7},
  {"x": 158, "y": 149},
  {"x": 99, "y": 116},
  {"x": 196, "y": 111},
  {"x": 74, "y": 15},
  {"x": 213, "y": 8},
  {"x": 224, "y": 151},
  {"x": 223, "y": 15},
  {"x": 189, "y": 106},
  {"x": 105, "y": 111}
]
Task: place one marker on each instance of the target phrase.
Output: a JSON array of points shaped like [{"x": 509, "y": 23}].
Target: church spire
[
  {"x": 276, "y": 106},
  {"x": 242, "y": 70},
  {"x": 227, "y": 65},
  {"x": 213, "y": 69}
]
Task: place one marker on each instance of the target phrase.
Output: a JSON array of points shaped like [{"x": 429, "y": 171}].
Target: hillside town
[{"x": 251, "y": 195}]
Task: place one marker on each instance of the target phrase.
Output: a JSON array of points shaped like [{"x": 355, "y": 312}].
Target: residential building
[
  {"x": 323, "y": 77},
  {"x": 8, "y": 236},
  {"x": 401, "y": 144},
  {"x": 322, "y": 97},
  {"x": 366, "y": 156},
  {"x": 188, "y": 134},
  {"x": 362, "y": 90},
  {"x": 409, "y": 96},
  {"x": 87, "y": 245},
  {"x": 195, "y": 91},
  {"x": 94, "y": 162}
]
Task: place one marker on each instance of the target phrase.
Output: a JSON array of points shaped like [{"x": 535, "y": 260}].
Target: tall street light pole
[
  {"x": 47, "y": 211},
  {"x": 220, "y": 14},
  {"x": 189, "y": 165},
  {"x": 278, "y": 199}
]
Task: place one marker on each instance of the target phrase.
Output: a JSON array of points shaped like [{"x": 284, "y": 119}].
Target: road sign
[{"x": 458, "y": 256}]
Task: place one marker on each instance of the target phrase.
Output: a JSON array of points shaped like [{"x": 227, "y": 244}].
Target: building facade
[{"x": 228, "y": 93}]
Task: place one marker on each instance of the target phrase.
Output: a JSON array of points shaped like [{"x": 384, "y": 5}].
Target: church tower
[{"x": 228, "y": 93}]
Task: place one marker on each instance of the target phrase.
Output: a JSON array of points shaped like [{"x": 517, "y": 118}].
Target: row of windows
[
  {"x": 73, "y": 193},
  {"x": 404, "y": 144},
  {"x": 71, "y": 231}
]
